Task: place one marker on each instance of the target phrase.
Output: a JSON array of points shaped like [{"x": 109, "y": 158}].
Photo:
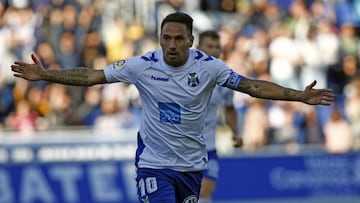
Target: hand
[
  {"x": 28, "y": 71},
  {"x": 238, "y": 142},
  {"x": 318, "y": 96}
]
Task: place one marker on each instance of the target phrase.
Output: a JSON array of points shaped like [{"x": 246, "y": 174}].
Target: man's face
[
  {"x": 175, "y": 41},
  {"x": 210, "y": 46}
]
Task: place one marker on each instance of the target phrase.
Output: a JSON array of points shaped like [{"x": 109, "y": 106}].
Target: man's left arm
[{"x": 272, "y": 91}]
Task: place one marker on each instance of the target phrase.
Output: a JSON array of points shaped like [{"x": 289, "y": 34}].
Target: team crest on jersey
[
  {"x": 193, "y": 80},
  {"x": 191, "y": 199},
  {"x": 120, "y": 63}
]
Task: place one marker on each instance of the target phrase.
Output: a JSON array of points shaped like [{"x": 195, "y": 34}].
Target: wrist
[{"x": 235, "y": 134}]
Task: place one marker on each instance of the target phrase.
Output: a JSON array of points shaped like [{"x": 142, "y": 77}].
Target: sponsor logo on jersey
[
  {"x": 193, "y": 80},
  {"x": 159, "y": 78},
  {"x": 120, "y": 64},
  {"x": 169, "y": 112}
]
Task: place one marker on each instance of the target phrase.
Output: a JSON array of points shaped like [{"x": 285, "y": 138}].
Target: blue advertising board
[
  {"x": 311, "y": 176},
  {"x": 104, "y": 172},
  {"x": 73, "y": 173}
]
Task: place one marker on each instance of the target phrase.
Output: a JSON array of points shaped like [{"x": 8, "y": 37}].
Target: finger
[
  {"x": 311, "y": 85},
  {"x": 328, "y": 94},
  {"x": 326, "y": 103},
  {"x": 15, "y": 68},
  {"x": 328, "y": 98},
  {"x": 18, "y": 75},
  {"x": 20, "y": 63},
  {"x": 327, "y": 90},
  {"x": 35, "y": 59}
]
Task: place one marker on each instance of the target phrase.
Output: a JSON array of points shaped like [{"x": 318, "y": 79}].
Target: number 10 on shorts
[{"x": 147, "y": 186}]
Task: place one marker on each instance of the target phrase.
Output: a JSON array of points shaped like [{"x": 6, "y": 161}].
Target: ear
[{"x": 191, "y": 41}]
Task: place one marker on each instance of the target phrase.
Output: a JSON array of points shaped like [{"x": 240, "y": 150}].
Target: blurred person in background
[
  {"x": 108, "y": 121},
  {"x": 337, "y": 132},
  {"x": 255, "y": 126},
  {"x": 352, "y": 110},
  {"x": 23, "y": 120},
  {"x": 341, "y": 75},
  {"x": 87, "y": 112},
  {"x": 235, "y": 49},
  {"x": 221, "y": 98},
  {"x": 115, "y": 112},
  {"x": 284, "y": 131},
  {"x": 284, "y": 62},
  {"x": 175, "y": 90},
  {"x": 349, "y": 41},
  {"x": 310, "y": 127},
  {"x": 61, "y": 104}
]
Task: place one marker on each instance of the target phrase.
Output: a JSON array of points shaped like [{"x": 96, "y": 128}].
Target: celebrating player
[{"x": 175, "y": 88}]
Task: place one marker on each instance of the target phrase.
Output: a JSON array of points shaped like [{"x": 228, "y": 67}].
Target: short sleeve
[{"x": 126, "y": 70}]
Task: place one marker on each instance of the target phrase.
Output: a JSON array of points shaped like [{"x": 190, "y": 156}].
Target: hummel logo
[{"x": 159, "y": 78}]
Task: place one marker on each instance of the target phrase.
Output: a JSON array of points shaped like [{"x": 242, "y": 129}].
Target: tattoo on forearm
[
  {"x": 287, "y": 93},
  {"x": 267, "y": 90},
  {"x": 69, "y": 77},
  {"x": 290, "y": 95},
  {"x": 251, "y": 87},
  {"x": 257, "y": 88}
]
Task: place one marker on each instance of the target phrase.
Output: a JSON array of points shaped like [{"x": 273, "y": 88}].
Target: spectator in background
[
  {"x": 39, "y": 100},
  {"x": 349, "y": 41},
  {"x": 310, "y": 128},
  {"x": 258, "y": 56},
  {"x": 46, "y": 53},
  {"x": 108, "y": 121},
  {"x": 6, "y": 100},
  {"x": 283, "y": 62},
  {"x": 115, "y": 111},
  {"x": 298, "y": 19},
  {"x": 341, "y": 75},
  {"x": 322, "y": 11},
  {"x": 255, "y": 125},
  {"x": 281, "y": 117},
  {"x": 23, "y": 120},
  {"x": 352, "y": 110},
  {"x": 311, "y": 63},
  {"x": 67, "y": 52},
  {"x": 89, "y": 110},
  {"x": 337, "y": 134},
  {"x": 61, "y": 105}
]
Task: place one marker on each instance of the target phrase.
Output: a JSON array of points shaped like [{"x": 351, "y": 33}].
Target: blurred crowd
[{"x": 290, "y": 42}]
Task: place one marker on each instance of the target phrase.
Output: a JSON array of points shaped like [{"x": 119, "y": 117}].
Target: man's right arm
[{"x": 78, "y": 77}]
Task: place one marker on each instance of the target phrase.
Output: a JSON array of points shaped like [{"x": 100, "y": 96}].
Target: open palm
[
  {"x": 318, "y": 96},
  {"x": 28, "y": 71}
]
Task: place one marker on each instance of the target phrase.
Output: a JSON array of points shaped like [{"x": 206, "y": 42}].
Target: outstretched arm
[
  {"x": 78, "y": 77},
  {"x": 268, "y": 90}
]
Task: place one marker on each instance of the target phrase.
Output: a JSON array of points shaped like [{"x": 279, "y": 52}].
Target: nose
[{"x": 172, "y": 44}]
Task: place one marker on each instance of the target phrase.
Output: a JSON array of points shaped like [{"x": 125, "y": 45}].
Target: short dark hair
[
  {"x": 209, "y": 33},
  {"x": 179, "y": 17}
]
